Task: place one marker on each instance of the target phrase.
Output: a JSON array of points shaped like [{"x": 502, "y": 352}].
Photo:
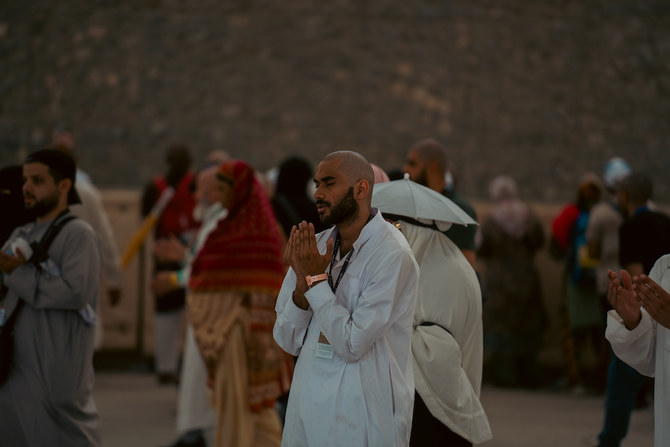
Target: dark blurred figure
[
  {"x": 176, "y": 222},
  {"x": 584, "y": 318},
  {"x": 396, "y": 174},
  {"x": 11, "y": 201},
  {"x": 510, "y": 238},
  {"x": 291, "y": 202}
]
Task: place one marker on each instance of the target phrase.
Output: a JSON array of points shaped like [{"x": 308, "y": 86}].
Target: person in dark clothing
[
  {"x": 11, "y": 200},
  {"x": 645, "y": 235},
  {"x": 291, "y": 202},
  {"x": 175, "y": 222}
]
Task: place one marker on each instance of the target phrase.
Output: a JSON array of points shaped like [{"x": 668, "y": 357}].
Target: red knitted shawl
[{"x": 244, "y": 252}]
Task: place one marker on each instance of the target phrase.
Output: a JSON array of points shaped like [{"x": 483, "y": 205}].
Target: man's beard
[
  {"x": 344, "y": 211},
  {"x": 43, "y": 207},
  {"x": 422, "y": 178}
]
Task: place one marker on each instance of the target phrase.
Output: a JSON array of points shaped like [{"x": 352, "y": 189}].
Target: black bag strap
[
  {"x": 39, "y": 255},
  {"x": 41, "y": 248}
]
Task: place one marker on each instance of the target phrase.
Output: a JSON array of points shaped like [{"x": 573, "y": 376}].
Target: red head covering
[{"x": 244, "y": 252}]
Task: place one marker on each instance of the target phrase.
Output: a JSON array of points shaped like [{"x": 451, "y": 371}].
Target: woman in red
[{"x": 234, "y": 283}]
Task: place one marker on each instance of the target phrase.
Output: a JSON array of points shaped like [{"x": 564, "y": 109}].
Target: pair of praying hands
[
  {"x": 302, "y": 254},
  {"x": 630, "y": 293}
]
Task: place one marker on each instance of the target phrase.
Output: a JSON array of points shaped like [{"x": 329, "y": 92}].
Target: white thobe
[
  {"x": 447, "y": 343},
  {"x": 194, "y": 410},
  {"x": 647, "y": 349},
  {"x": 364, "y": 395}
]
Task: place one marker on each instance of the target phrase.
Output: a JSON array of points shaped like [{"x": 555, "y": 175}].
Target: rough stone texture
[{"x": 542, "y": 90}]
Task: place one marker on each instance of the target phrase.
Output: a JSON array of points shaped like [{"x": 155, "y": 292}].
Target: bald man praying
[{"x": 346, "y": 309}]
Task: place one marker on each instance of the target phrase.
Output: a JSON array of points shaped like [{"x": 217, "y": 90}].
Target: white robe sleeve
[
  {"x": 637, "y": 347},
  {"x": 292, "y": 322}
]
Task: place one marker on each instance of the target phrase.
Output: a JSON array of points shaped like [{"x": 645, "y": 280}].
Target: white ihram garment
[
  {"x": 364, "y": 395},
  {"x": 448, "y": 349}
]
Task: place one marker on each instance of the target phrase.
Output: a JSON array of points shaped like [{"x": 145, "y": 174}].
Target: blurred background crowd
[{"x": 543, "y": 109}]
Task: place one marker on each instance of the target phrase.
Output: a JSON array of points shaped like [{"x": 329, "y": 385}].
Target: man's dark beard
[
  {"x": 344, "y": 211},
  {"x": 422, "y": 178},
  {"x": 43, "y": 207}
]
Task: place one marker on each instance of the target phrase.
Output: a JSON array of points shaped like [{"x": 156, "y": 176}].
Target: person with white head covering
[
  {"x": 447, "y": 342},
  {"x": 602, "y": 231}
]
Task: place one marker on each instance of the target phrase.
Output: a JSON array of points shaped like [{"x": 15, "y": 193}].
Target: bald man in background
[{"x": 427, "y": 165}]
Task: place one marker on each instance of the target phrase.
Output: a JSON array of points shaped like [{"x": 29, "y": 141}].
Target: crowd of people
[{"x": 314, "y": 318}]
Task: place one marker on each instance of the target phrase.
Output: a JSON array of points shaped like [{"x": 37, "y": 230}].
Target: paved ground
[{"x": 136, "y": 412}]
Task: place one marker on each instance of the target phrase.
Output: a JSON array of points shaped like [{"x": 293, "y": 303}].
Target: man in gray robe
[{"x": 46, "y": 401}]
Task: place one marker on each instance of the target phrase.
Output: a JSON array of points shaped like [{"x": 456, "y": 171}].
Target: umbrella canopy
[{"x": 407, "y": 198}]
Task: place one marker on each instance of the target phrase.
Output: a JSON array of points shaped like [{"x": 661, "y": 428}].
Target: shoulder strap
[
  {"x": 53, "y": 231},
  {"x": 41, "y": 248}
]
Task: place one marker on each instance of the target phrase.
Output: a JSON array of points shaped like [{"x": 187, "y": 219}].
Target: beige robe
[{"x": 220, "y": 321}]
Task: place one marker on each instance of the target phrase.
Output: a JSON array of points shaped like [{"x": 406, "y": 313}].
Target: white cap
[{"x": 615, "y": 170}]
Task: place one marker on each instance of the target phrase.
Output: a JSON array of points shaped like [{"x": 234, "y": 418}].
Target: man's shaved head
[
  {"x": 431, "y": 151},
  {"x": 354, "y": 165}
]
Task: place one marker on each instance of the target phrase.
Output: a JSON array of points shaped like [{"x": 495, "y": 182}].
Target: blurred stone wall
[{"x": 541, "y": 90}]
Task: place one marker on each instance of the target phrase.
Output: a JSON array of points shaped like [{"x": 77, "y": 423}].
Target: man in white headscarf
[{"x": 447, "y": 342}]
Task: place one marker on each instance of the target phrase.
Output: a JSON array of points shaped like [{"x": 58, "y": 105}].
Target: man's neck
[
  {"x": 350, "y": 231},
  {"x": 436, "y": 184},
  {"x": 51, "y": 215}
]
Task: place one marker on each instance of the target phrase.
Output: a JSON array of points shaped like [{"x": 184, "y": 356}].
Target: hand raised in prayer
[
  {"x": 290, "y": 258},
  {"x": 8, "y": 262},
  {"x": 623, "y": 298},
  {"x": 307, "y": 255},
  {"x": 654, "y": 299}
]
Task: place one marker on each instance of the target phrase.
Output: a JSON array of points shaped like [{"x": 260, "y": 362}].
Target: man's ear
[
  {"x": 361, "y": 189},
  {"x": 65, "y": 185}
]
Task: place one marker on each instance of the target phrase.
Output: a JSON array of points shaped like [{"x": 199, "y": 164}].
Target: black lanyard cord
[{"x": 336, "y": 248}]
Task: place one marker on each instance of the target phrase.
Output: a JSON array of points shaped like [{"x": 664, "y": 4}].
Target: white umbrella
[{"x": 407, "y": 198}]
